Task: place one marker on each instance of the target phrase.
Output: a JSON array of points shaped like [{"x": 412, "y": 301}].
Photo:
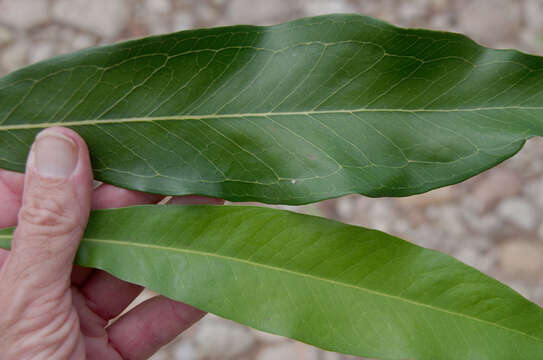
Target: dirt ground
[{"x": 492, "y": 222}]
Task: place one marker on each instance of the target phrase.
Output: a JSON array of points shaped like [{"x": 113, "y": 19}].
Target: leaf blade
[
  {"x": 337, "y": 286},
  {"x": 293, "y": 113}
]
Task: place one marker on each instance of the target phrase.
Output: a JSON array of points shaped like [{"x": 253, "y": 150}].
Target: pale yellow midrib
[
  {"x": 230, "y": 116},
  {"x": 334, "y": 282}
]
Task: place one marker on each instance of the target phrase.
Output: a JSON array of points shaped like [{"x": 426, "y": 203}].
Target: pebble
[
  {"x": 321, "y": 7},
  {"x": 490, "y": 20},
  {"x": 158, "y": 6},
  {"x": 222, "y": 339},
  {"x": 520, "y": 256},
  {"x": 534, "y": 191},
  {"x": 533, "y": 14},
  {"x": 465, "y": 225},
  {"x": 448, "y": 217},
  {"x": 185, "y": 350},
  {"x": 258, "y": 12},
  {"x": 345, "y": 207},
  {"x": 267, "y": 338},
  {"x": 488, "y": 224},
  {"x": 519, "y": 212},
  {"x": 327, "y": 355},
  {"x": 40, "y": 51},
  {"x": 6, "y": 36},
  {"x": 102, "y": 17},
  {"x": 381, "y": 215},
  {"x": 434, "y": 197},
  {"x": 24, "y": 14},
  {"x": 410, "y": 12},
  {"x": 289, "y": 350},
  {"x": 161, "y": 355},
  {"x": 498, "y": 184},
  {"x": 182, "y": 21},
  {"x": 15, "y": 56}
]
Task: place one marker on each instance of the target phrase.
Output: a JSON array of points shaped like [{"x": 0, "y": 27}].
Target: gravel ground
[{"x": 492, "y": 222}]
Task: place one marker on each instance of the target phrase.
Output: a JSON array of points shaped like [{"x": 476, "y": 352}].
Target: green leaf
[
  {"x": 293, "y": 113},
  {"x": 340, "y": 287}
]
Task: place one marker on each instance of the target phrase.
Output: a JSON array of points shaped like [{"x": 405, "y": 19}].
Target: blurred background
[{"x": 492, "y": 222}]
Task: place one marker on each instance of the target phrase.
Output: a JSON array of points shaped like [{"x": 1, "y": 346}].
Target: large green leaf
[
  {"x": 337, "y": 286},
  {"x": 293, "y": 113}
]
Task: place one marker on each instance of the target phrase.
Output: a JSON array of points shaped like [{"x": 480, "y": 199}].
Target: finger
[
  {"x": 3, "y": 256},
  {"x": 194, "y": 200},
  {"x": 55, "y": 208},
  {"x": 11, "y": 190},
  {"x": 108, "y": 296},
  {"x": 109, "y": 196},
  {"x": 154, "y": 323}
]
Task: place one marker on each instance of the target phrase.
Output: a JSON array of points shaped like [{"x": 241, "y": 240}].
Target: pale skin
[{"x": 51, "y": 309}]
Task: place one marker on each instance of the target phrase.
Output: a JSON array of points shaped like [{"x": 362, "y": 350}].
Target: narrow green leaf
[
  {"x": 340, "y": 287},
  {"x": 293, "y": 113}
]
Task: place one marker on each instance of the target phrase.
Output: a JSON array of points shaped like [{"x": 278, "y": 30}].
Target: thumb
[{"x": 54, "y": 213}]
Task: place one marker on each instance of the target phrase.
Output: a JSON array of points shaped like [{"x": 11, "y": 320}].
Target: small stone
[
  {"x": 82, "y": 41},
  {"x": 478, "y": 243},
  {"x": 498, "y": 184},
  {"x": 40, "y": 51},
  {"x": 519, "y": 212},
  {"x": 103, "y": 17},
  {"x": 327, "y": 355},
  {"x": 537, "y": 293},
  {"x": 534, "y": 191},
  {"x": 519, "y": 256},
  {"x": 448, "y": 217},
  {"x": 267, "y": 337},
  {"x": 183, "y": 21},
  {"x": 222, "y": 339},
  {"x": 258, "y": 12},
  {"x": 288, "y": 350},
  {"x": 488, "y": 224},
  {"x": 474, "y": 257},
  {"x": 5, "y": 36},
  {"x": 23, "y": 13},
  {"x": 444, "y": 22},
  {"x": 528, "y": 162},
  {"x": 380, "y": 215},
  {"x": 206, "y": 14},
  {"x": 434, "y": 197},
  {"x": 345, "y": 207},
  {"x": 14, "y": 56},
  {"x": 321, "y": 7},
  {"x": 522, "y": 288},
  {"x": 533, "y": 13},
  {"x": 158, "y": 6},
  {"x": 426, "y": 236},
  {"x": 468, "y": 255},
  {"x": 410, "y": 11},
  {"x": 160, "y": 355},
  {"x": 184, "y": 350},
  {"x": 490, "y": 20}
]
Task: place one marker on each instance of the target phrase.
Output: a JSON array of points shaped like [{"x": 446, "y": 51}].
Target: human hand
[{"x": 50, "y": 309}]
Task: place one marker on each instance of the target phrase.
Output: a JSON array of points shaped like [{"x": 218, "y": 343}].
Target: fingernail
[{"x": 55, "y": 154}]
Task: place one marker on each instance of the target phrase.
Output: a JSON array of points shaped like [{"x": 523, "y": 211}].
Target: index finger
[{"x": 11, "y": 191}]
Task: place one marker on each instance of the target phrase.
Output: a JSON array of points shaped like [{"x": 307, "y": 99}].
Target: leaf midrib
[
  {"x": 242, "y": 115},
  {"x": 274, "y": 268}
]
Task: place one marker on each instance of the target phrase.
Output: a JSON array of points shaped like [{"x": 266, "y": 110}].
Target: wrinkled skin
[{"x": 53, "y": 310}]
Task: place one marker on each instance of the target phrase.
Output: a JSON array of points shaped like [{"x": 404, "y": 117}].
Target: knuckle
[{"x": 51, "y": 215}]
